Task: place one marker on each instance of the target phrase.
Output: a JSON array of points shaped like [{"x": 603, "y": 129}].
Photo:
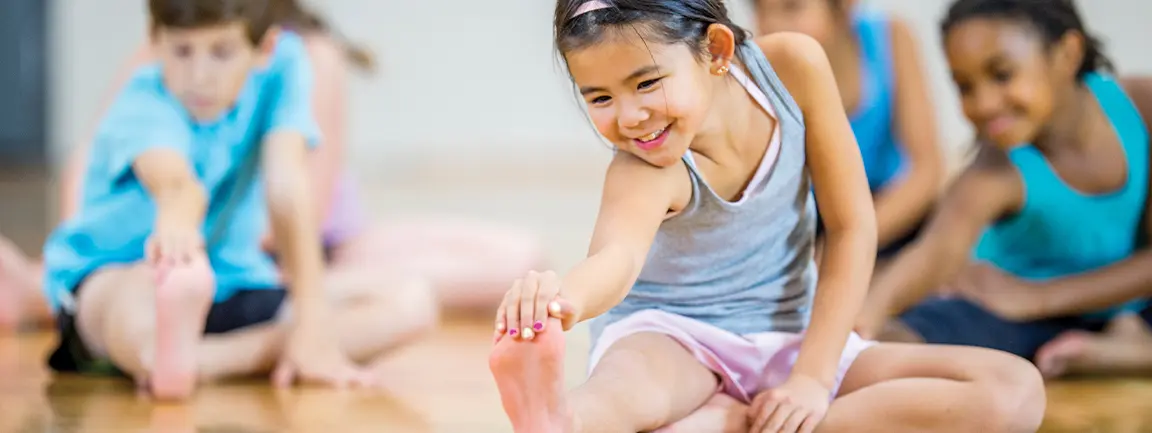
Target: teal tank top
[
  {"x": 873, "y": 118},
  {"x": 1061, "y": 231}
]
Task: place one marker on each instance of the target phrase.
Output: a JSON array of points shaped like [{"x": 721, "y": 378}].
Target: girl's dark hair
[
  {"x": 294, "y": 16},
  {"x": 664, "y": 21},
  {"x": 1051, "y": 18}
]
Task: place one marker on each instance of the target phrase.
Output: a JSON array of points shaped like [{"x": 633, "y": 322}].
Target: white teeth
[{"x": 653, "y": 135}]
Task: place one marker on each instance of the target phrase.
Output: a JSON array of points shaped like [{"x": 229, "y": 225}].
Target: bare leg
[
  {"x": 720, "y": 414},
  {"x": 373, "y": 316},
  {"x": 118, "y": 317},
  {"x": 643, "y": 382},
  {"x": 148, "y": 324},
  {"x": 971, "y": 389},
  {"x": 21, "y": 301},
  {"x": 1124, "y": 348},
  {"x": 470, "y": 265}
]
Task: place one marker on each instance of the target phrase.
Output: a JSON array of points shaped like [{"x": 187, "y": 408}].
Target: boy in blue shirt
[{"x": 160, "y": 275}]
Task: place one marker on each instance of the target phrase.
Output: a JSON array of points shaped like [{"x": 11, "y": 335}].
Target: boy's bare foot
[{"x": 180, "y": 315}]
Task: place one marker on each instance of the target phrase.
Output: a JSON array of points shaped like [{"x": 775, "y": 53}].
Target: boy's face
[{"x": 207, "y": 67}]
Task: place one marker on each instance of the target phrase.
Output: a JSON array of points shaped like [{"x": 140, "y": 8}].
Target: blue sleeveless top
[
  {"x": 872, "y": 120},
  {"x": 1060, "y": 231}
]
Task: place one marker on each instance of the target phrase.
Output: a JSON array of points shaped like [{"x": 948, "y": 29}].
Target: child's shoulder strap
[{"x": 765, "y": 77}]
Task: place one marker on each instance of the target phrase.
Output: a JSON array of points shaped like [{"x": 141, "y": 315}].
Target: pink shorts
[{"x": 746, "y": 364}]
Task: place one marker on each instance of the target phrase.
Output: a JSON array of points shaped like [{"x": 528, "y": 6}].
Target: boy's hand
[
  {"x": 173, "y": 242},
  {"x": 312, "y": 355}
]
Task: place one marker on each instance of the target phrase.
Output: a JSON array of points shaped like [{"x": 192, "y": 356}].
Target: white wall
[{"x": 458, "y": 80}]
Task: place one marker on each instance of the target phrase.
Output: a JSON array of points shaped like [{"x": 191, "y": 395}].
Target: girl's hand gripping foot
[
  {"x": 528, "y": 305},
  {"x": 797, "y": 405}
]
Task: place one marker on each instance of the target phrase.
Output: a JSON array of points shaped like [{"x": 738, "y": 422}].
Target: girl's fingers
[
  {"x": 528, "y": 305},
  {"x": 512, "y": 309}
]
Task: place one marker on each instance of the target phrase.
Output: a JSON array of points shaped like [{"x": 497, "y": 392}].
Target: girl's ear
[{"x": 722, "y": 47}]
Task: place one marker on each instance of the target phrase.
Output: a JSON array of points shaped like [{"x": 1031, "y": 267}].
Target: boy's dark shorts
[
  {"x": 961, "y": 322},
  {"x": 244, "y": 308}
]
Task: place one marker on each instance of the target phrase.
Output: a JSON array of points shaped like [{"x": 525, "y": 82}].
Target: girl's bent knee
[{"x": 1016, "y": 396}]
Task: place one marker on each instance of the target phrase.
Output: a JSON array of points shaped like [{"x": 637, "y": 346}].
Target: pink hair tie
[{"x": 589, "y": 7}]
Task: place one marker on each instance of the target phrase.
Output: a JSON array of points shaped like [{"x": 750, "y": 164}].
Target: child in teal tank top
[
  {"x": 881, "y": 78},
  {"x": 1040, "y": 237}
]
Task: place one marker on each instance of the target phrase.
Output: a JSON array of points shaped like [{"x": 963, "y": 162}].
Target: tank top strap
[
  {"x": 1129, "y": 126},
  {"x": 766, "y": 79}
]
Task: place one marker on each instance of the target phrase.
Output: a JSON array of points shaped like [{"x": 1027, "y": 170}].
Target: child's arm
[
  {"x": 292, "y": 132},
  {"x": 293, "y": 217},
  {"x": 903, "y": 203},
  {"x": 310, "y": 352},
  {"x": 1128, "y": 279},
  {"x": 180, "y": 205},
  {"x": 72, "y": 180},
  {"x": 145, "y": 139},
  {"x": 842, "y": 195},
  {"x": 328, "y": 65},
  {"x": 988, "y": 190},
  {"x": 636, "y": 198}
]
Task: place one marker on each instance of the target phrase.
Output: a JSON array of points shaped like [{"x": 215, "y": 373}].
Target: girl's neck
[
  {"x": 734, "y": 116},
  {"x": 1070, "y": 122}
]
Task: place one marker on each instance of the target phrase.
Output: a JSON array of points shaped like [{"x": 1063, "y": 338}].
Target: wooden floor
[{"x": 440, "y": 385}]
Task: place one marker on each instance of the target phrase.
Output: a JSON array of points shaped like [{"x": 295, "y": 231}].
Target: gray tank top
[{"x": 744, "y": 266}]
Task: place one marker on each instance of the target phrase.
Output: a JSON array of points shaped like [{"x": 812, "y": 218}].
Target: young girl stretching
[
  {"x": 701, "y": 275},
  {"x": 1051, "y": 211},
  {"x": 877, "y": 65}
]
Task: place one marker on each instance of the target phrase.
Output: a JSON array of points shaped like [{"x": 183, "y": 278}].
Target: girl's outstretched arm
[
  {"x": 636, "y": 198},
  {"x": 987, "y": 190},
  {"x": 842, "y": 193},
  {"x": 901, "y": 205}
]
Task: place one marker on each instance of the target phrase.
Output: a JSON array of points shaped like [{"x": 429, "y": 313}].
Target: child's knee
[
  {"x": 1015, "y": 395},
  {"x": 415, "y": 300}
]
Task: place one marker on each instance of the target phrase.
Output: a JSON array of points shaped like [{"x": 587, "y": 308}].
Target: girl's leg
[
  {"x": 1124, "y": 348},
  {"x": 470, "y": 265},
  {"x": 643, "y": 381},
  {"x": 720, "y": 414},
  {"x": 900, "y": 387}
]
